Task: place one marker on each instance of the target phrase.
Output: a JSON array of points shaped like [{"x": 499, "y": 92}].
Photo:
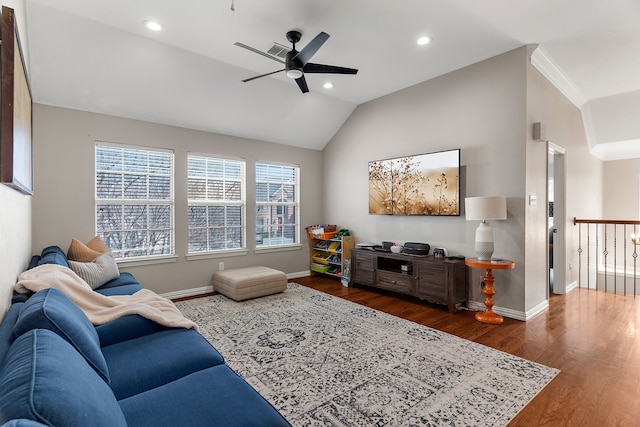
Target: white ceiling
[{"x": 95, "y": 55}]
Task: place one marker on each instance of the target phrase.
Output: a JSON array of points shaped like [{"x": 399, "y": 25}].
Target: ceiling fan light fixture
[
  {"x": 294, "y": 73},
  {"x": 296, "y": 64}
]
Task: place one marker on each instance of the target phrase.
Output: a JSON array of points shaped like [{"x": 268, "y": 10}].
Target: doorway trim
[{"x": 559, "y": 218}]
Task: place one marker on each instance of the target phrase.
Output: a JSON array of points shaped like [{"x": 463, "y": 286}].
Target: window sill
[
  {"x": 268, "y": 249},
  {"x": 132, "y": 262},
  {"x": 217, "y": 254}
]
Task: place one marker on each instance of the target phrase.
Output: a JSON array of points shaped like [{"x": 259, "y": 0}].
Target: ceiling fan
[{"x": 296, "y": 64}]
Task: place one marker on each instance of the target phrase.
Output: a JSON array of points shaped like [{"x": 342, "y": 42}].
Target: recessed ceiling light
[
  {"x": 153, "y": 25},
  {"x": 328, "y": 85},
  {"x": 424, "y": 40}
]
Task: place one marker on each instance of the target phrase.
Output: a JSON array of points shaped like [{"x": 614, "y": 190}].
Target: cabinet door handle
[{"x": 393, "y": 282}]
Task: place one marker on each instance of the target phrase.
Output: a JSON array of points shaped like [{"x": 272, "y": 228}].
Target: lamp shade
[{"x": 485, "y": 208}]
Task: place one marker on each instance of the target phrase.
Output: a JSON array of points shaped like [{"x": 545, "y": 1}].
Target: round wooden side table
[{"x": 488, "y": 316}]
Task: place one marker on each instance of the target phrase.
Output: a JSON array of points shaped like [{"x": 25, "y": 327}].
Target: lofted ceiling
[{"x": 96, "y": 55}]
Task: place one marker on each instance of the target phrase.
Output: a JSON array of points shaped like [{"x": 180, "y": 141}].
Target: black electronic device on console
[{"x": 415, "y": 248}]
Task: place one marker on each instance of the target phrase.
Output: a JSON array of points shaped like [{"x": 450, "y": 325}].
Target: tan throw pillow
[
  {"x": 97, "y": 245},
  {"x": 103, "y": 269},
  {"x": 78, "y": 251}
]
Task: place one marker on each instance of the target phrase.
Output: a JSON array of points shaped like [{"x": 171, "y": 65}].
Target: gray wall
[
  {"x": 621, "y": 190},
  {"x": 485, "y": 109},
  {"x": 479, "y": 109},
  {"x": 584, "y": 174},
  {"x": 63, "y": 206}
]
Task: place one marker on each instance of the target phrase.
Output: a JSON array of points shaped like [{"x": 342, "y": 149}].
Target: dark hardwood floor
[{"x": 592, "y": 337}]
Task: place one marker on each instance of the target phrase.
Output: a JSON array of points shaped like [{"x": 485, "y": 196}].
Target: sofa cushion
[
  {"x": 126, "y": 328},
  {"x": 119, "y": 290},
  {"x": 122, "y": 280},
  {"x": 125, "y": 284},
  {"x": 216, "y": 396},
  {"x": 102, "y": 270},
  {"x": 78, "y": 251},
  {"x": 51, "y": 309},
  {"x": 150, "y": 361},
  {"x": 6, "y": 329},
  {"x": 33, "y": 262},
  {"x": 53, "y": 255},
  {"x": 22, "y": 423},
  {"x": 45, "y": 379}
]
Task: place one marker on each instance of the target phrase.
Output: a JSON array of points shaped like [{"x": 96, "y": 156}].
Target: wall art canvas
[
  {"x": 424, "y": 184},
  {"x": 16, "y": 163}
]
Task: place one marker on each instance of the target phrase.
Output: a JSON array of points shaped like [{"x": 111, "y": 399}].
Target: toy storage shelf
[{"x": 328, "y": 255}]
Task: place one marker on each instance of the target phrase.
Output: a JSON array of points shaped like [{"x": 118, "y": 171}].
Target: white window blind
[
  {"x": 216, "y": 192},
  {"x": 277, "y": 204},
  {"x": 135, "y": 200}
]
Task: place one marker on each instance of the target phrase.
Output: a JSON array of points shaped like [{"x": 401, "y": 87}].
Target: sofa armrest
[
  {"x": 44, "y": 378},
  {"x": 53, "y": 255}
]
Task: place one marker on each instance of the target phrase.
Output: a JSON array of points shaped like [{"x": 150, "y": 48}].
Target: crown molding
[{"x": 555, "y": 75}]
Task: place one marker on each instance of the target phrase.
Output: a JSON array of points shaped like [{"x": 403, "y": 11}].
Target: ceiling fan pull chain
[{"x": 233, "y": 7}]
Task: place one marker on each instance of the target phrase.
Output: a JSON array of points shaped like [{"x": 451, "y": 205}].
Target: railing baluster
[
  {"x": 606, "y": 251},
  {"x": 615, "y": 258},
  {"x": 597, "y": 254},
  {"x": 625, "y": 258},
  {"x": 580, "y": 255},
  {"x": 588, "y": 256},
  {"x": 635, "y": 258}
]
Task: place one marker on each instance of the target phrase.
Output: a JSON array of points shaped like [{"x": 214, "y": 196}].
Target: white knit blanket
[{"x": 101, "y": 309}]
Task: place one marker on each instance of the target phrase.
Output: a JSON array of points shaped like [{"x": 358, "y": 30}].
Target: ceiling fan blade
[
  {"x": 252, "y": 49},
  {"x": 332, "y": 69},
  {"x": 261, "y": 75},
  {"x": 311, "y": 48},
  {"x": 302, "y": 84}
]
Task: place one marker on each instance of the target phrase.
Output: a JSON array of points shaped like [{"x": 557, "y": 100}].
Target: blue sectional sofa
[{"x": 58, "y": 369}]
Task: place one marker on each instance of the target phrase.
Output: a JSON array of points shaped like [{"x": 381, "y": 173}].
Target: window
[
  {"x": 216, "y": 192},
  {"x": 277, "y": 204},
  {"x": 134, "y": 200}
]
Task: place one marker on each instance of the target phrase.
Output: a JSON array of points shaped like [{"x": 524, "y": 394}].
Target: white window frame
[
  {"x": 213, "y": 202},
  {"x": 124, "y": 253},
  {"x": 270, "y": 244}
]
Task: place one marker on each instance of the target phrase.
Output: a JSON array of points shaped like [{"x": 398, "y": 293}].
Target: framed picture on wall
[
  {"x": 424, "y": 184},
  {"x": 16, "y": 163}
]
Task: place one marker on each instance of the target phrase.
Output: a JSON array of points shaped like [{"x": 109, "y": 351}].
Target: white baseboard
[
  {"x": 537, "y": 310},
  {"x": 188, "y": 292},
  {"x": 510, "y": 313},
  {"x": 571, "y": 286},
  {"x": 304, "y": 273}
]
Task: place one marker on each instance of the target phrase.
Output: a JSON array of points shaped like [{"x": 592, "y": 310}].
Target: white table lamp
[{"x": 484, "y": 209}]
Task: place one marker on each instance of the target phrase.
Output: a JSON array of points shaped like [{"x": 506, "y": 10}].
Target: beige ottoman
[{"x": 250, "y": 282}]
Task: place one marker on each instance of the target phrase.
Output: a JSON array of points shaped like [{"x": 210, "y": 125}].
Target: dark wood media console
[{"x": 437, "y": 280}]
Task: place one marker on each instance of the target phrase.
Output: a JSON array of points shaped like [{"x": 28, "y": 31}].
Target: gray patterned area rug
[{"x": 324, "y": 361}]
